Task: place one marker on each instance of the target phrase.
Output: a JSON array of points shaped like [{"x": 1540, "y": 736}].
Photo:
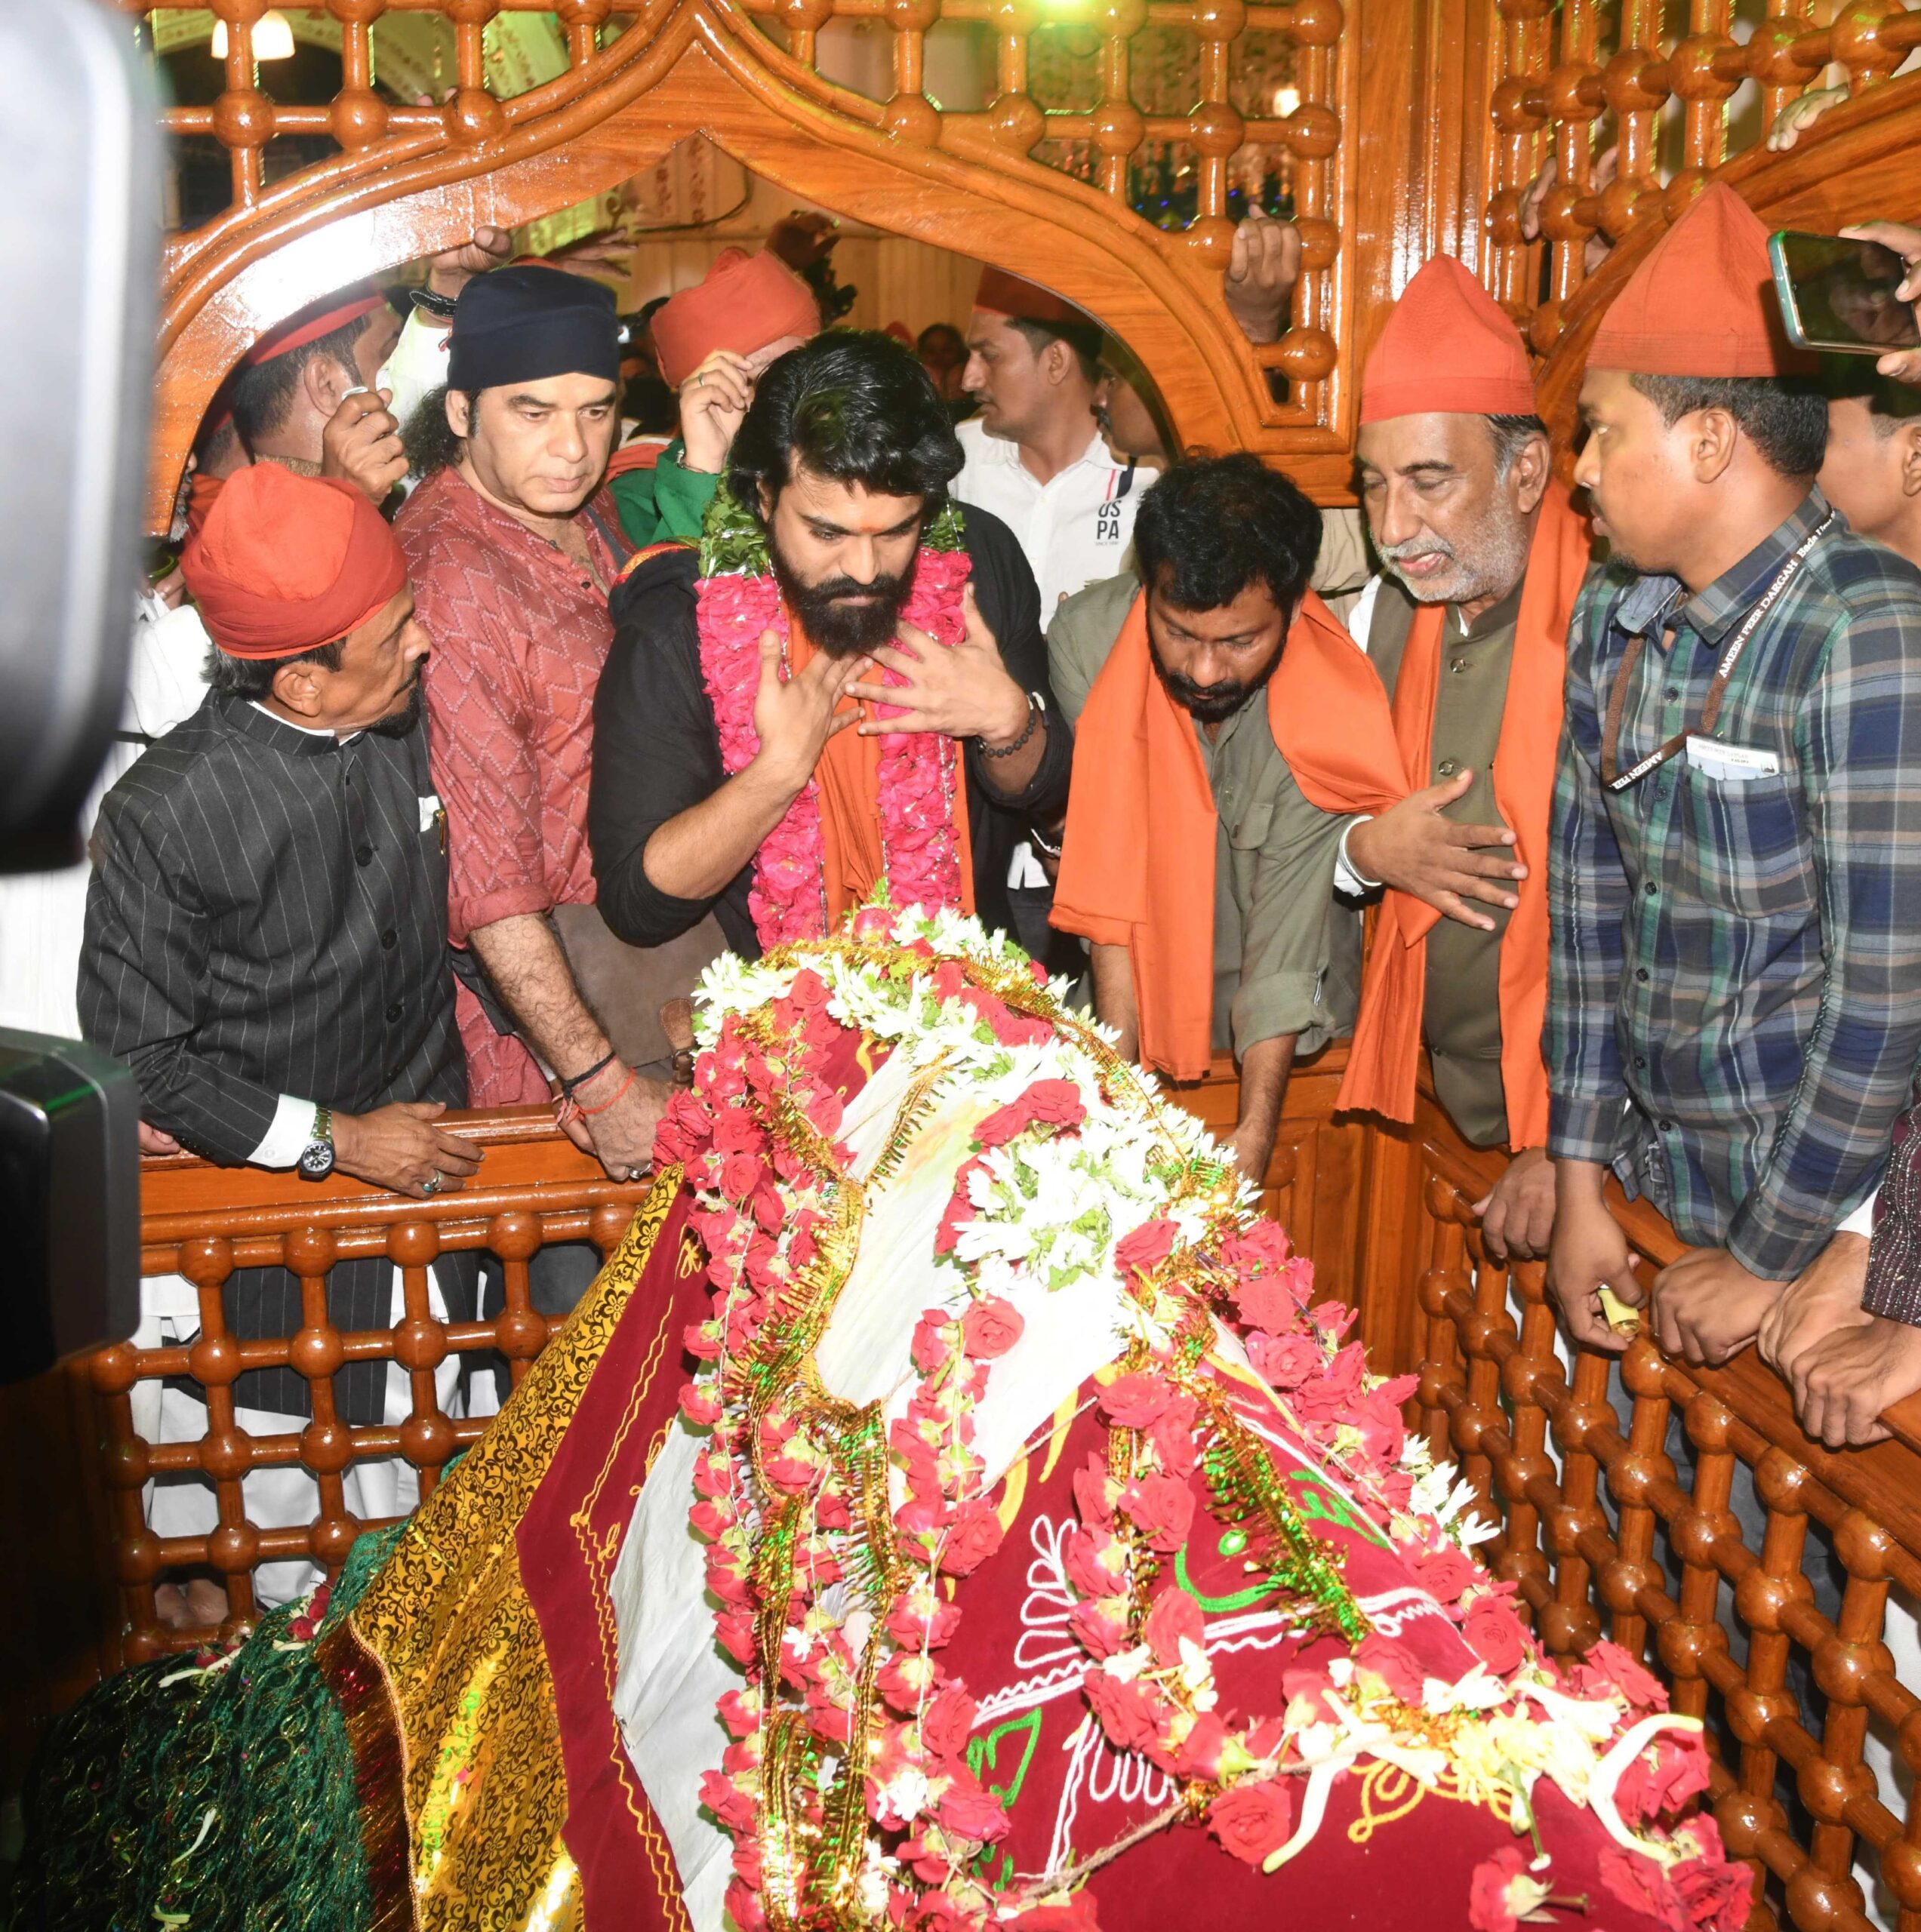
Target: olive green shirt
[
  {"x": 1286, "y": 957},
  {"x": 1460, "y": 1010}
]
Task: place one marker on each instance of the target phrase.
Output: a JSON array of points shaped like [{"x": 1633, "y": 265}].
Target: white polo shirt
[{"x": 1074, "y": 529}]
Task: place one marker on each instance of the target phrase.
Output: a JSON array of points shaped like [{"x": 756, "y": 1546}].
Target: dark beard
[
  {"x": 1213, "y": 704},
  {"x": 833, "y": 623},
  {"x": 398, "y": 724}
]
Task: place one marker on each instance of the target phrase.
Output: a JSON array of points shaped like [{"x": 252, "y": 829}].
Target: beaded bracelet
[{"x": 1035, "y": 712}]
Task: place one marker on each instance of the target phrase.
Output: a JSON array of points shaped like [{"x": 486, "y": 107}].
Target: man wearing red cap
[
  {"x": 711, "y": 341},
  {"x": 1736, "y": 851},
  {"x": 1441, "y": 739},
  {"x": 266, "y": 940},
  {"x": 307, "y": 394}
]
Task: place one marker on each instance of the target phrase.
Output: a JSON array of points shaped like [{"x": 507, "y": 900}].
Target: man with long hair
[{"x": 847, "y": 673}]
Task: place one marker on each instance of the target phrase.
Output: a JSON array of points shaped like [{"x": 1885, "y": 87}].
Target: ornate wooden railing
[
  {"x": 1773, "y": 1628},
  {"x": 1774, "y": 1635},
  {"x": 534, "y": 1188},
  {"x": 1661, "y": 101}
]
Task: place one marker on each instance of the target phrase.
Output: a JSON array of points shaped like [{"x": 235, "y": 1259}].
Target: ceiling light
[
  {"x": 1286, "y": 100},
  {"x": 273, "y": 37}
]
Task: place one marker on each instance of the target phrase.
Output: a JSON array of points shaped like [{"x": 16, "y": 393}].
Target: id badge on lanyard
[{"x": 1612, "y": 777}]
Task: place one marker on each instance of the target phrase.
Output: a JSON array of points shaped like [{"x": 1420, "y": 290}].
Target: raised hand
[
  {"x": 963, "y": 693},
  {"x": 1903, "y": 364},
  {"x": 795, "y": 719},
  {"x": 1799, "y": 115},
  {"x": 361, "y": 444},
  {"x": 712, "y": 401},
  {"x": 1263, "y": 264},
  {"x": 604, "y": 257},
  {"x": 451, "y": 271},
  {"x": 1414, "y": 848}
]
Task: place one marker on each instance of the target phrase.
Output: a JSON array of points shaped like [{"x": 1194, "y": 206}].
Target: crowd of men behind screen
[{"x": 434, "y": 809}]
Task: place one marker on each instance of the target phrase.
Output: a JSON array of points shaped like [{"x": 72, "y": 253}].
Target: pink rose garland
[
  {"x": 919, "y": 770},
  {"x": 758, "y": 1211}
]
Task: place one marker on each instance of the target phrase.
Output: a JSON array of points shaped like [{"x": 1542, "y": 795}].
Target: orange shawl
[
  {"x": 1350, "y": 753},
  {"x": 848, "y": 774},
  {"x": 1137, "y": 858}
]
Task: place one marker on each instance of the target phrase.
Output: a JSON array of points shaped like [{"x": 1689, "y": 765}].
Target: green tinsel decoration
[
  {"x": 219, "y": 1801},
  {"x": 733, "y": 543},
  {"x": 1246, "y": 1491}
]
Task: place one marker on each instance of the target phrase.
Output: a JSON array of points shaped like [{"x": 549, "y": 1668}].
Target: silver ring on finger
[{"x": 432, "y": 1184}]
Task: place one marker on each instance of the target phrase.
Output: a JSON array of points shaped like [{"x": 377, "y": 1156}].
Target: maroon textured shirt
[{"x": 519, "y": 633}]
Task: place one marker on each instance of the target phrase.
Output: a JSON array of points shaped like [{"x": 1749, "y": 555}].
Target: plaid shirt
[{"x": 1735, "y": 1002}]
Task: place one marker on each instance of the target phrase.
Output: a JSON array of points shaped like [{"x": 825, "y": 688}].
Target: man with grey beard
[{"x": 1467, "y": 627}]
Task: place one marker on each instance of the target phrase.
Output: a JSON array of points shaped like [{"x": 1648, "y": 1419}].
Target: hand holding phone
[
  {"x": 1848, "y": 294},
  {"x": 1903, "y": 365}
]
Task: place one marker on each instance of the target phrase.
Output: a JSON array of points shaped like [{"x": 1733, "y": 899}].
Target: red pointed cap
[
  {"x": 318, "y": 319},
  {"x": 283, "y": 563},
  {"x": 1447, "y": 348},
  {"x": 746, "y": 302},
  {"x": 1001, "y": 294},
  {"x": 1702, "y": 303}
]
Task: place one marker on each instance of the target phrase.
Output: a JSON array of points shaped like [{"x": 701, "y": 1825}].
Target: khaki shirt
[
  {"x": 1286, "y": 957},
  {"x": 1461, "y": 1012}
]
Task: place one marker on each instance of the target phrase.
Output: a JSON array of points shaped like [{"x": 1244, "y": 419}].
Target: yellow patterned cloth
[{"x": 442, "y": 1669}]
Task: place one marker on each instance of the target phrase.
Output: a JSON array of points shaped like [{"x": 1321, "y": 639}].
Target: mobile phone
[{"x": 1837, "y": 294}]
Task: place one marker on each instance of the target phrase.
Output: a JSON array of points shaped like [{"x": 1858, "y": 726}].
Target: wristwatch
[{"x": 316, "y": 1161}]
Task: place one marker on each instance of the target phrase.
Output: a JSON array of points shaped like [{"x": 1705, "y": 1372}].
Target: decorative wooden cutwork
[
  {"x": 1859, "y": 162},
  {"x": 534, "y": 1188},
  {"x": 410, "y": 179},
  {"x": 1571, "y": 69},
  {"x": 1599, "y": 1532},
  {"x": 1605, "y": 1538}
]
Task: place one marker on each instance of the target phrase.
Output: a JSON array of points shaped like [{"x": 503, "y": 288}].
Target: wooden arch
[
  {"x": 1857, "y": 162},
  {"x": 703, "y": 67}
]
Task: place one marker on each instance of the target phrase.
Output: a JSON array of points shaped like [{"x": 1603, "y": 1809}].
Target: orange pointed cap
[
  {"x": 1447, "y": 347},
  {"x": 1702, "y": 303}
]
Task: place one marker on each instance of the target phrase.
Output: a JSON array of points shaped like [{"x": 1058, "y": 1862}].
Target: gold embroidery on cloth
[
  {"x": 452, "y": 1630},
  {"x": 1388, "y": 1793}
]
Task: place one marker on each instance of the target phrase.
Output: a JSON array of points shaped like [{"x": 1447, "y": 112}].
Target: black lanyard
[{"x": 1612, "y": 775}]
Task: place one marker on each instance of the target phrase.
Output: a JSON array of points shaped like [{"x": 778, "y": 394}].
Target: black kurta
[
  {"x": 268, "y": 915},
  {"x": 656, "y": 749}
]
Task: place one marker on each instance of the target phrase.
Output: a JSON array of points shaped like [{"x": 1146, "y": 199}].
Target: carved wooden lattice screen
[
  {"x": 533, "y": 1188},
  {"x": 1617, "y": 1494},
  {"x": 439, "y": 168},
  {"x": 1579, "y": 78}
]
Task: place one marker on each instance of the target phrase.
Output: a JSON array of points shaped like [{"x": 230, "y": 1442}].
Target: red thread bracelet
[{"x": 606, "y": 1104}]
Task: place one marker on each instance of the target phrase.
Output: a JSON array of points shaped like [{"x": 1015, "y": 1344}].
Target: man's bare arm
[
  {"x": 1113, "y": 996},
  {"x": 618, "y": 1111},
  {"x": 528, "y": 969},
  {"x": 1264, "y": 1069}
]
